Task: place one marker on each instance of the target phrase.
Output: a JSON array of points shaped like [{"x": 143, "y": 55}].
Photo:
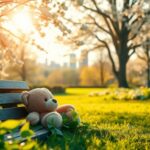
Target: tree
[
  {"x": 103, "y": 67},
  {"x": 95, "y": 75},
  {"x": 101, "y": 62},
  {"x": 64, "y": 77},
  {"x": 89, "y": 76},
  {"x": 23, "y": 66},
  {"x": 113, "y": 24},
  {"x": 9, "y": 46}
]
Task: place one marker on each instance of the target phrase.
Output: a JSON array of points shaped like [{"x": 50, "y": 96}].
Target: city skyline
[{"x": 63, "y": 60}]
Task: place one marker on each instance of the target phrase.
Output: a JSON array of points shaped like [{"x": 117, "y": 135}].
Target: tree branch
[
  {"x": 72, "y": 21},
  {"x": 100, "y": 12},
  {"x": 105, "y": 16},
  {"x": 10, "y": 10},
  {"x": 129, "y": 55},
  {"x": 115, "y": 17},
  {"x": 88, "y": 8},
  {"x": 100, "y": 27},
  {"x": 141, "y": 57},
  {"x": 11, "y": 33},
  {"x": 130, "y": 18},
  {"x": 108, "y": 17},
  {"x": 113, "y": 36},
  {"x": 2, "y": 3},
  {"x": 96, "y": 47},
  {"x": 109, "y": 54},
  {"x": 135, "y": 46},
  {"x": 139, "y": 28}
]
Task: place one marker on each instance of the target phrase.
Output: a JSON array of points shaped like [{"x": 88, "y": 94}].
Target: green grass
[
  {"x": 110, "y": 124},
  {"x": 106, "y": 123}
]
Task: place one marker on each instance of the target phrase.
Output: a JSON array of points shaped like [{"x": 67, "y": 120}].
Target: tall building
[
  {"x": 53, "y": 65},
  {"x": 72, "y": 61},
  {"x": 83, "y": 61}
]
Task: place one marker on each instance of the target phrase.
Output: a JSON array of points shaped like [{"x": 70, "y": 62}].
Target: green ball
[{"x": 54, "y": 119}]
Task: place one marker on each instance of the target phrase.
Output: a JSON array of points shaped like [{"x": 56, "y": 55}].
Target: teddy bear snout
[
  {"x": 51, "y": 104},
  {"x": 54, "y": 100}
]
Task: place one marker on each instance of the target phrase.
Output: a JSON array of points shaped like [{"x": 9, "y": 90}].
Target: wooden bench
[{"x": 10, "y": 108}]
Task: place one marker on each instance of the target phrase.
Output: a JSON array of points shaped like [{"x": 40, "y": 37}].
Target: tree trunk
[
  {"x": 122, "y": 75},
  {"x": 101, "y": 73},
  {"x": 123, "y": 59},
  {"x": 101, "y": 68}
]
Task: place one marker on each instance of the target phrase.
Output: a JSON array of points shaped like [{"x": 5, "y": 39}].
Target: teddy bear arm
[
  {"x": 65, "y": 108},
  {"x": 33, "y": 118}
]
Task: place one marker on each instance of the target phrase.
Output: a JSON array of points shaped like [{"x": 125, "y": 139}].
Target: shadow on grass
[
  {"x": 81, "y": 138},
  {"x": 133, "y": 129},
  {"x": 86, "y": 136}
]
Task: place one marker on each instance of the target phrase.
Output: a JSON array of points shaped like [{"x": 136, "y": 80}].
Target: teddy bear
[{"x": 43, "y": 107}]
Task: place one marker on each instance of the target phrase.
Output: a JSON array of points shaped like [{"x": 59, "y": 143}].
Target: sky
[
  {"x": 56, "y": 51},
  {"x": 21, "y": 21}
]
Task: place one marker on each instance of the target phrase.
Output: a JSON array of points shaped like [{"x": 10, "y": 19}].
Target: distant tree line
[{"x": 37, "y": 74}]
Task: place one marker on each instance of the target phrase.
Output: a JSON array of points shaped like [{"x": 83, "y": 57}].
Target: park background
[{"x": 93, "y": 54}]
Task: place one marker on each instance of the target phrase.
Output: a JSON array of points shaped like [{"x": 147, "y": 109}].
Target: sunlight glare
[{"x": 22, "y": 21}]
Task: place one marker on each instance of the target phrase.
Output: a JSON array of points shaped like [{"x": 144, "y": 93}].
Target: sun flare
[{"x": 22, "y": 21}]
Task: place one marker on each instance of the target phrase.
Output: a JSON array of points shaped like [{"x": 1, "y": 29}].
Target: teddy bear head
[{"x": 39, "y": 100}]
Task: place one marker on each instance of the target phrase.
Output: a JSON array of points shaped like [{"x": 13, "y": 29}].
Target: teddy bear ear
[{"x": 24, "y": 97}]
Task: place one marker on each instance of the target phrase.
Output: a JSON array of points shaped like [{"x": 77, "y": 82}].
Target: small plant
[
  {"x": 124, "y": 94},
  {"x": 71, "y": 123}
]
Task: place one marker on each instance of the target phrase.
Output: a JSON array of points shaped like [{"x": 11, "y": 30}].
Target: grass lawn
[{"x": 106, "y": 123}]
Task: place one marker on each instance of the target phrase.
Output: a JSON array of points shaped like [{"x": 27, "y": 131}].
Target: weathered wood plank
[
  {"x": 8, "y": 105},
  {"x": 10, "y": 98},
  {"x": 12, "y": 113},
  {"x": 7, "y": 85}
]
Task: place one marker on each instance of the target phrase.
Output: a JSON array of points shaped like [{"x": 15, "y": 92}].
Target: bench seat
[{"x": 11, "y": 107}]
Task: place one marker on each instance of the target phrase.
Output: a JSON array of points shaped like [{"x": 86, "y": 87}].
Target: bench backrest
[{"x": 10, "y": 97}]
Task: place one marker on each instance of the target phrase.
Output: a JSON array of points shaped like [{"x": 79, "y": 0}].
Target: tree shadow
[{"x": 81, "y": 138}]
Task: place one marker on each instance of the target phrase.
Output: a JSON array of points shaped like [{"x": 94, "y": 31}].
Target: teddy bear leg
[
  {"x": 53, "y": 119},
  {"x": 33, "y": 118}
]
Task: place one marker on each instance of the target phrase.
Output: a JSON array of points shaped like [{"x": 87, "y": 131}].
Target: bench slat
[
  {"x": 8, "y": 85},
  {"x": 12, "y": 113},
  {"x": 10, "y": 98}
]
